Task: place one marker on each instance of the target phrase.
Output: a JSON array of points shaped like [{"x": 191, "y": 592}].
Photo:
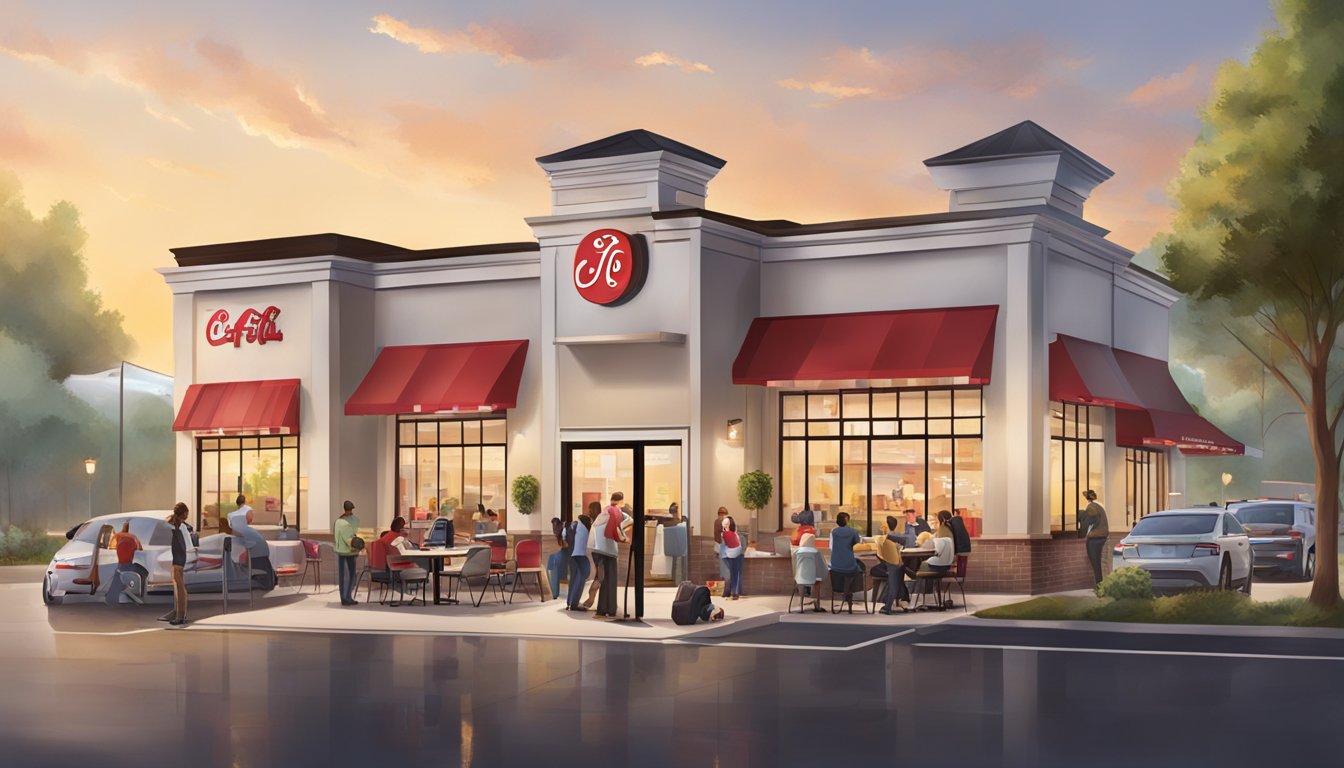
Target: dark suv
[{"x": 1283, "y": 535}]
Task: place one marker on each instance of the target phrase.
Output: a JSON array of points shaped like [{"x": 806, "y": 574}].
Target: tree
[
  {"x": 754, "y": 490},
  {"x": 526, "y": 490},
  {"x": 1260, "y": 224}
]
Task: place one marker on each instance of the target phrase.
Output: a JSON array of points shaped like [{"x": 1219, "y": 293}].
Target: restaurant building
[{"x": 997, "y": 358}]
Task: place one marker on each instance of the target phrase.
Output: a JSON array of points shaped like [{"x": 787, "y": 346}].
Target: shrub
[
  {"x": 20, "y": 546},
  {"x": 754, "y": 490},
  {"x": 1126, "y": 582}
]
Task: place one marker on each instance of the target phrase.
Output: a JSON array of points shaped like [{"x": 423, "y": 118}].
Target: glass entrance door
[{"x": 650, "y": 475}]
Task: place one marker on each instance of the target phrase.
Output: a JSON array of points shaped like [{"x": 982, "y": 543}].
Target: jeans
[
  {"x": 1095, "y": 546},
  {"x": 606, "y": 598},
  {"x": 734, "y": 566},
  {"x": 345, "y": 567},
  {"x": 896, "y": 589},
  {"x": 556, "y": 566},
  {"x": 723, "y": 564},
  {"x": 579, "y": 568}
]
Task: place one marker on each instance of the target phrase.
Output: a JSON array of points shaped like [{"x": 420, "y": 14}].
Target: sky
[{"x": 417, "y": 123}]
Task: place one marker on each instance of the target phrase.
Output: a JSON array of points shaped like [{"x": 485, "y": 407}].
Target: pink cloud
[
  {"x": 1019, "y": 69},
  {"x": 661, "y": 58},
  {"x": 505, "y": 42},
  {"x": 1176, "y": 87},
  {"x": 214, "y": 76},
  {"x": 18, "y": 146}
]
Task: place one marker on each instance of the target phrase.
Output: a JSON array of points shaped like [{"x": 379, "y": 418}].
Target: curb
[{"x": 1134, "y": 628}]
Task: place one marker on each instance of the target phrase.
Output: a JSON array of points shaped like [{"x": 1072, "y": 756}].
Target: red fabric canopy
[
  {"x": 1087, "y": 372},
  {"x": 953, "y": 345},
  {"x": 266, "y": 407},
  {"x": 1167, "y": 418},
  {"x": 428, "y": 378}
]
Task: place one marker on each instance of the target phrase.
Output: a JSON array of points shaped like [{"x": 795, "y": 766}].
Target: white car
[
  {"x": 1203, "y": 548},
  {"x": 71, "y": 569}
]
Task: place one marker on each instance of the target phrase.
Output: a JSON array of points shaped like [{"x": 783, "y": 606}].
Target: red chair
[
  {"x": 958, "y": 575},
  {"x": 378, "y": 571},
  {"x": 527, "y": 562}
]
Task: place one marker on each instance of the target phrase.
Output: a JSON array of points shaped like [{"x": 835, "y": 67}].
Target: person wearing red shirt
[{"x": 126, "y": 544}]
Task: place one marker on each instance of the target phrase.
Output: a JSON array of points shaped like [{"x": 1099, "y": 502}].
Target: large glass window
[
  {"x": 1077, "y": 445},
  {"x": 265, "y": 470},
  {"x": 1146, "y": 483},
  {"x": 446, "y": 465},
  {"x": 871, "y": 453}
]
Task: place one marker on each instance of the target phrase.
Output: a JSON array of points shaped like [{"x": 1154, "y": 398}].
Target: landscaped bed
[
  {"x": 1129, "y": 603},
  {"x": 19, "y": 546}
]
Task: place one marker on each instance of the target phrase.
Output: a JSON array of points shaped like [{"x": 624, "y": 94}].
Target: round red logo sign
[{"x": 609, "y": 267}]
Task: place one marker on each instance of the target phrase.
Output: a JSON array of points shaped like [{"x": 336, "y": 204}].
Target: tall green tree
[{"x": 1260, "y": 224}]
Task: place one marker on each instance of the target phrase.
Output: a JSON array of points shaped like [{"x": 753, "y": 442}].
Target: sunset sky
[{"x": 172, "y": 124}]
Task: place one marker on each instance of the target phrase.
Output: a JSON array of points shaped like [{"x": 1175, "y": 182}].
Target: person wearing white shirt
[{"x": 604, "y": 543}]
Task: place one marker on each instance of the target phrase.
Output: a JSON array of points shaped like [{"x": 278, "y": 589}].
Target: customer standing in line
[
  {"x": 577, "y": 536},
  {"x": 733, "y": 557},
  {"x": 594, "y": 512},
  {"x": 1095, "y": 529},
  {"x": 347, "y": 525},
  {"x": 178, "y": 616},
  {"x": 676, "y": 544},
  {"x": 718, "y": 545},
  {"x": 557, "y": 565},
  {"x": 608, "y": 533}
]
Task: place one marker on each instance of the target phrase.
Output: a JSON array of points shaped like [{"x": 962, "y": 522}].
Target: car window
[
  {"x": 1266, "y": 514},
  {"x": 89, "y": 533},
  {"x": 1311, "y": 515},
  {"x": 1231, "y": 527},
  {"x": 1174, "y": 525}
]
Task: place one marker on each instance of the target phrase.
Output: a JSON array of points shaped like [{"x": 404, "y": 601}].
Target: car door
[
  {"x": 1238, "y": 545},
  {"x": 1306, "y": 518}
]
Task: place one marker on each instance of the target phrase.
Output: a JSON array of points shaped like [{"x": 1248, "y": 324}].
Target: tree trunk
[{"x": 1325, "y": 589}]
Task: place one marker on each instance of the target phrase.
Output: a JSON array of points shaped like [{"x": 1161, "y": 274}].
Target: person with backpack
[{"x": 343, "y": 541}]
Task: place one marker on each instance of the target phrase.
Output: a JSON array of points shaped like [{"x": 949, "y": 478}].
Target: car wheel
[
  {"x": 1246, "y": 587},
  {"x": 1309, "y": 566},
  {"x": 1225, "y": 576},
  {"x": 48, "y": 598}
]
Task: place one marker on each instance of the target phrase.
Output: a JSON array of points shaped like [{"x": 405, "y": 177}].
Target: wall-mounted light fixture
[{"x": 735, "y": 430}]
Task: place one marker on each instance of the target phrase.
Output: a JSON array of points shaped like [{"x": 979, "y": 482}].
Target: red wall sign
[
  {"x": 610, "y": 266},
  {"x": 252, "y": 326}
]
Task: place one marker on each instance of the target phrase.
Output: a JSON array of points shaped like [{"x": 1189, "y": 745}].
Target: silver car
[
  {"x": 1199, "y": 548},
  {"x": 1283, "y": 535}
]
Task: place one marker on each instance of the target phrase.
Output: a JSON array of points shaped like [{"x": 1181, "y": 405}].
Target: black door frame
[{"x": 636, "y": 496}]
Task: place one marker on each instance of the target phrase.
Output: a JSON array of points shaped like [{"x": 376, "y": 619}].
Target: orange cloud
[
  {"x": 1166, "y": 88},
  {"x": 661, "y": 58},
  {"x": 18, "y": 146},
  {"x": 506, "y": 43},
  {"x": 1020, "y": 70},
  {"x": 211, "y": 75}
]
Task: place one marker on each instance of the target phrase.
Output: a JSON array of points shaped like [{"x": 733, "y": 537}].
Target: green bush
[
  {"x": 526, "y": 489},
  {"x": 1126, "y": 583},
  {"x": 754, "y": 490},
  {"x": 20, "y": 546}
]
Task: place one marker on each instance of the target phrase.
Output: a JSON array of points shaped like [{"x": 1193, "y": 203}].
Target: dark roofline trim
[
  {"x": 329, "y": 244},
  {"x": 634, "y": 142},
  {"x": 784, "y": 228}
]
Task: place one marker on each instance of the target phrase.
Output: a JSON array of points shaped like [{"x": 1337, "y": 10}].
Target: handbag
[{"x": 356, "y": 543}]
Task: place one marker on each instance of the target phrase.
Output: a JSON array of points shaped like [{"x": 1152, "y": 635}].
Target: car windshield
[
  {"x": 1174, "y": 525},
  {"x": 1267, "y": 514},
  {"x": 146, "y": 529}
]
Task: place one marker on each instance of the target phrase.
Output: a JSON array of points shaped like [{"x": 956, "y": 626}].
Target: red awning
[
  {"x": 905, "y": 347},
  {"x": 1086, "y": 372},
  {"x": 1167, "y": 418},
  {"x": 264, "y": 407},
  {"x": 429, "y": 378}
]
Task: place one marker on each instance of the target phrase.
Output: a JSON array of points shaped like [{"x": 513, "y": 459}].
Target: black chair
[
  {"x": 928, "y": 583},
  {"x": 847, "y": 584},
  {"x": 440, "y": 533},
  {"x": 956, "y": 578}
]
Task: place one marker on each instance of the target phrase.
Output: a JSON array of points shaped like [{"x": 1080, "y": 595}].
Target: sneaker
[
  {"x": 717, "y": 615},
  {"x": 169, "y": 617},
  {"x": 885, "y": 611},
  {"x": 177, "y": 623}
]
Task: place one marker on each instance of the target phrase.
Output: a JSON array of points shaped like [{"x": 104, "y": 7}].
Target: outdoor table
[{"x": 436, "y": 556}]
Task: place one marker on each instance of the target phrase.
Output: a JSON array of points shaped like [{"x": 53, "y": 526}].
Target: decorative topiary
[
  {"x": 526, "y": 490},
  {"x": 754, "y": 490},
  {"x": 1128, "y": 582}
]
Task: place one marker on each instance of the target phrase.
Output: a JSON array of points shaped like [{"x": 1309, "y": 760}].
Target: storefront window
[
  {"x": 874, "y": 452},
  {"x": 446, "y": 465},
  {"x": 1146, "y": 483},
  {"x": 1077, "y": 445},
  {"x": 263, "y": 469}
]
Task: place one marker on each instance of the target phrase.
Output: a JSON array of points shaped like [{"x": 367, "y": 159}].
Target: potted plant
[
  {"x": 526, "y": 489},
  {"x": 754, "y": 490}
]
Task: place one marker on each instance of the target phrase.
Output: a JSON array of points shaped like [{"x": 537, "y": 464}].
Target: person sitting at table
[
  {"x": 892, "y": 568},
  {"x": 913, "y": 526},
  {"x": 805, "y": 539},
  {"x": 403, "y": 569},
  {"x": 943, "y": 549},
  {"x": 844, "y": 566}
]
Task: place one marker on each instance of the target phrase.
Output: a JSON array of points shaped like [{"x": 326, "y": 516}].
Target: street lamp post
[
  {"x": 1227, "y": 480},
  {"x": 90, "y": 466}
]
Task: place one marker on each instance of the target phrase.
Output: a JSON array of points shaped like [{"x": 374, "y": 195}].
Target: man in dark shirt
[
  {"x": 178, "y": 616},
  {"x": 914, "y": 525}
]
